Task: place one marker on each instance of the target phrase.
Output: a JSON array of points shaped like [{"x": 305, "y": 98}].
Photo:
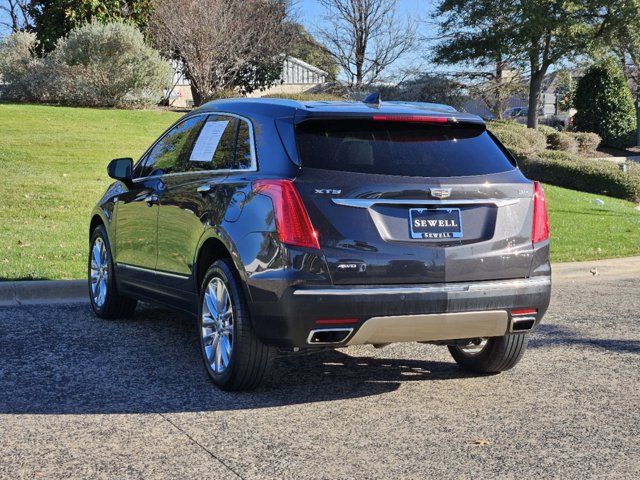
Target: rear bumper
[{"x": 382, "y": 314}]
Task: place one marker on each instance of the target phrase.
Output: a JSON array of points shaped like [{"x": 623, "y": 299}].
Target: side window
[
  {"x": 168, "y": 154},
  {"x": 243, "y": 147},
  {"x": 213, "y": 150}
]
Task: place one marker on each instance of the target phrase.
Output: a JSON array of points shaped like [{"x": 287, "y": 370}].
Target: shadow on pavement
[
  {"x": 62, "y": 360},
  {"x": 553, "y": 336}
]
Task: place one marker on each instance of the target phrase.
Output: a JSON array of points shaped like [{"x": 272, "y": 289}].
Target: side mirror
[{"x": 120, "y": 169}]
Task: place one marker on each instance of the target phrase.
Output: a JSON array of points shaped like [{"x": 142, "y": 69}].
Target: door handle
[
  {"x": 204, "y": 189},
  {"x": 152, "y": 200}
]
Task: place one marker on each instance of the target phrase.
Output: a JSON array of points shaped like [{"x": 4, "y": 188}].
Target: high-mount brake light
[
  {"x": 292, "y": 221},
  {"x": 412, "y": 119},
  {"x": 540, "y": 229}
]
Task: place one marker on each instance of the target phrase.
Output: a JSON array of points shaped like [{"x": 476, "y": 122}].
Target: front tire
[
  {"x": 491, "y": 355},
  {"x": 234, "y": 357},
  {"x": 106, "y": 302}
]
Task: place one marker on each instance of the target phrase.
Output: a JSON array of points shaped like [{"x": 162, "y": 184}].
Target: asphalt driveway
[{"x": 81, "y": 397}]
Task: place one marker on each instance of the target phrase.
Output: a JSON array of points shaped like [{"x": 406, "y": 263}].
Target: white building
[{"x": 297, "y": 77}]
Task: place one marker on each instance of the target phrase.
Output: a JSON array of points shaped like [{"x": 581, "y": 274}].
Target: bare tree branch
[
  {"x": 223, "y": 43},
  {"x": 17, "y": 15},
  {"x": 365, "y": 37}
]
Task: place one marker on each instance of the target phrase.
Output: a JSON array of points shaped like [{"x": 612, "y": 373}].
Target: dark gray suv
[{"x": 286, "y": 227}]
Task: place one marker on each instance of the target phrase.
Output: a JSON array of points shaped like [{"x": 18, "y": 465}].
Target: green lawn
[
  {"x": 53, "y": 170},
  {"x": 582, "y": 230}
]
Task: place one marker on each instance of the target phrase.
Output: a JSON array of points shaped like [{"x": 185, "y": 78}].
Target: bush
[
  {"x": 587, "y": 141},
  {"x": 518, "y": 138},
  {"x": 593, "y": 176},
  {"x": 605, "y": 105},
  {"x": 305, "y": 96},
  {"x": 562, "y": 141},
  {"x": 107, "y": 65},
  {"x": 22, "y": 71},
  {"x": 546, "y": 130}
]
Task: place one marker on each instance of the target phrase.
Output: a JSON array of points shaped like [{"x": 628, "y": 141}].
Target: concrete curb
[
  {"x": 43, "y": 291},
  {"x": 625, "y": 267},
  {"x": 75, "y": 291}
]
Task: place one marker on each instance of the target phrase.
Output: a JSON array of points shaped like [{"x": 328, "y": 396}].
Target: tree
[
  {"x": 54, "y": 19},
  {"x": 365, "y": 37},
  {"x": 428, "y": 88},
  {"x": 224, "y": 44},
  {"x": 16, "y": 16},
  {"x": 621, "y": 37},
  {"x": 531, "y": 33},
  {"x": 477, "y": 33},
  {"x": 605, "y": 105},
  {"x": 307, "y": 48}
]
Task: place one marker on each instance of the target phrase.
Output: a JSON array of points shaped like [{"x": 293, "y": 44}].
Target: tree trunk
[
  {"x": 535, "y": 86},
  {"x": 498, "y": 106},
  {"x": 196, "y": 94}
]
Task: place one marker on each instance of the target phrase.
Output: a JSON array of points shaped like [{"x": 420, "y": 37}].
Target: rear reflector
[
  {"x": 336, "y": 321},
  {"x": 292, "y": 221},
  {"x": 412, "y": 119},
  {"x": 524, "y": 311},
  {"x": 540, "y": 229}
]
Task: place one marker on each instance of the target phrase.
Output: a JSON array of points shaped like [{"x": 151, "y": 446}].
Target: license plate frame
[{"x": 437, "y": 231}]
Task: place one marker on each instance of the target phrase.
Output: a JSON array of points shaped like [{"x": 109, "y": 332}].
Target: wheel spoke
[
  {"x": 219, "y": 364},
  {"x": 226, "y": 348},
  {"x": 95, "y": 254},
  {"x": 207, "y": 320},
  {"x": 208, "y": 298}
]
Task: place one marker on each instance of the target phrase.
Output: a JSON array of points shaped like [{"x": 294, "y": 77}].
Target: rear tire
[
  {"x": 106, "y": 302},
  {"x": 497, "y": 355},
  {"x": 225, "y": 325}
]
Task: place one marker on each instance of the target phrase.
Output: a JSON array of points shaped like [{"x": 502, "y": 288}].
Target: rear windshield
[{"x": 391, "y": 148}]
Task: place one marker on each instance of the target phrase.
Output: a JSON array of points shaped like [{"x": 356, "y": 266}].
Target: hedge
[
  {"x": 593, "y": 176},
  {"x": 517, "y": 137}
]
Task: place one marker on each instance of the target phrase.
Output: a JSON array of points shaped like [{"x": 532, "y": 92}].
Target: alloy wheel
[
  {"x": 99, "y": 272},
  {"x": 474, "y": 347},
  {"x": 217, "y": 325}
]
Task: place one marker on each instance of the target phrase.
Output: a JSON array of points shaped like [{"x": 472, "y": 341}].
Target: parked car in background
[
  {"x": 286, "y": 227},
  {"x": 559, "y": 121},
  {"x": 518, "y": 114}
]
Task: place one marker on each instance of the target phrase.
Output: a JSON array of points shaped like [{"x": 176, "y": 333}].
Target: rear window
[{"x": 392, "y": 148}]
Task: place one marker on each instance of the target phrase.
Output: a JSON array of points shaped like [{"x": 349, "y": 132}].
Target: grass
[
  {"x": 53, "y": 171},
  {"x": 583, "y": 230}
]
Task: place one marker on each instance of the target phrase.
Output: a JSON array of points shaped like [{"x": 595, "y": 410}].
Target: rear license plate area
[{"x": 435, "y": 223}]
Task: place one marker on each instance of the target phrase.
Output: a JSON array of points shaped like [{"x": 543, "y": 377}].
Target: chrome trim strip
[
  {"x": 150, "y": 270},
  {"x": 312, "y": 332},
  {"x": 435, "y": 288},
  {"x": 367, "y": 202}
]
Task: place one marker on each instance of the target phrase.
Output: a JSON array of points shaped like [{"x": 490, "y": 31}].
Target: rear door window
[
  {"x": 214, "y": 148},
  {"x": 395, "y": 148},
  {"x": 170, "y": 151}
]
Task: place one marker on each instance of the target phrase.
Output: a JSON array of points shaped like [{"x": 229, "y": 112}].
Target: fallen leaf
[{"x": 481, "y": 441}]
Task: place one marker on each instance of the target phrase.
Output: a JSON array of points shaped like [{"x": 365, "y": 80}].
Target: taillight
[
  {"x": 540, "y": 230},
  {"x": 292, "y": 221}
]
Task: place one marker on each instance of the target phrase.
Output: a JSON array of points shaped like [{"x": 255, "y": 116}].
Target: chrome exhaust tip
[
  {"x": 329, "y": 336},
  {"x": 521, "y": 324}
]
